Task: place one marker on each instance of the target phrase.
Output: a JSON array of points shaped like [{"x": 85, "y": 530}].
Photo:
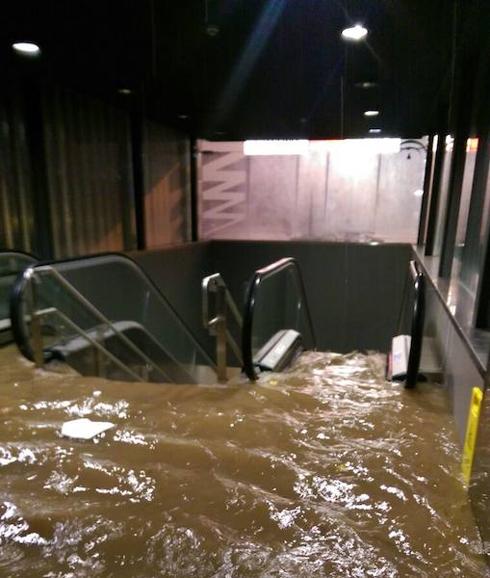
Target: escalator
[
  {"x": 414, "y": 356},
  {"x": 277, "y": 323},
  {"x": 104, "y": 316},
  {"x": 11, "y": 264}
]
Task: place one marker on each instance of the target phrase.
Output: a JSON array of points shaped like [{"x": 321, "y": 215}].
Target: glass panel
[
  {"x": 464, "y": 206},
  {"x": 476, "y": 229},
  {"x": 69, "y": 329},
  {"x": 279, "y": 305},
  {"x": 114, "y": 287},
  {"x": 476, "y": 265},
  {"x": 443, "y": 195}
]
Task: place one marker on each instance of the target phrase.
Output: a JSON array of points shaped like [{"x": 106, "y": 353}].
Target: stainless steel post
[
  {"x": 221, "y": 360},
  {"x": 36, "y": 327},
  {"x": 99, "y": 357}
]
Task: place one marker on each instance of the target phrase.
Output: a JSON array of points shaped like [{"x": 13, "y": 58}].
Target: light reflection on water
[{"x": 324, "y": 471}]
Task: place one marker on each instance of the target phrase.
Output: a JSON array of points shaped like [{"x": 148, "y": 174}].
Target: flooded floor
[{"x": 325, "y": 471}]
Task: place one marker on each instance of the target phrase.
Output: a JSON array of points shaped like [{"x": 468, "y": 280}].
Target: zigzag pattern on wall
[{"x": 223, "y": 194}]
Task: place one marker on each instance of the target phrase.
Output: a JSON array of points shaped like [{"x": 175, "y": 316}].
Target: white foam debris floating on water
[{"x": 84, "y": 428}]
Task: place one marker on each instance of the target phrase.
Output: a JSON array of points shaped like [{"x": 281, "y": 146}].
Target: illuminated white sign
[
  {"x": 358, "y": 145},
  {"x": 303, "y": 147},
  {"x": 275, "y": 147}
]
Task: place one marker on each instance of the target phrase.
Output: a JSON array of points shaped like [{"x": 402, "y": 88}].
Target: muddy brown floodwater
[{"x": 327, "y": 470}]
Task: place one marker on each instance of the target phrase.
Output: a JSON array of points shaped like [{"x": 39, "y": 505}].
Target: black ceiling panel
[{"x": 248, "y": 68}]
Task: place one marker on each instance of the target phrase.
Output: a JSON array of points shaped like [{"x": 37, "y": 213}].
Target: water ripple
[{"x": 326, "y": 470}]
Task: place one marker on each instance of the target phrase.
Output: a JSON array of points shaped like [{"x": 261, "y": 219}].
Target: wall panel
[
  {"x": 351, "y": 190},
  {"x": 166, "y": 170},
  {"x": 89, "y": 175},
  {"x": 16, "y": 207},
  {"x": 354, "y": 303}
]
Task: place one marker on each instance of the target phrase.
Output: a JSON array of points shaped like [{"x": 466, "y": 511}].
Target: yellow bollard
[{"x": 471, "y": 433}]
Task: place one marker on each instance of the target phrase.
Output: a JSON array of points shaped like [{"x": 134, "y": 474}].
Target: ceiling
[{"x": 235, "y": 69}]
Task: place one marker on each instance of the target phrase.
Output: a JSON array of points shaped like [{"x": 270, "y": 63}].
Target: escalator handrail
[
  {"x": 18, "y": 252},
  {"x": 17, "y": 318},
  {"x": 249, "y": 310},
  {"x": 15, "y": 253},
  {"x": 19, "y": 329},
  {"x": 417, "y": 327}
]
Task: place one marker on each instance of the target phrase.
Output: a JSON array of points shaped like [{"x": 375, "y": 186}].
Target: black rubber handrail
[
  {"x": 17, "y": 317},
  {"x": 18, "y": 273},
  {"x": 19, "y": 252},
  {"x": 15, "y": 252},
  {"x": 249, "y": 311},
  {"x": 417, "y": 328}
]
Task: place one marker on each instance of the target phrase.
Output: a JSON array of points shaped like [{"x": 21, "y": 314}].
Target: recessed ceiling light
[
  {"x": 366, "y": 84},
  {"x": 26, "y": 48},
  {"x": 357, "y": 32},
  {"x": 183, "y": 116},
  {"x": 125, "y": 91},
  {"x": 371, "y": 113},
  {"x": 374, "y": 130},
  {"x": 212, "y": 30}
]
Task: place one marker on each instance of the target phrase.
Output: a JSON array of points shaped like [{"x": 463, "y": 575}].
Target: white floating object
[
  {"x": 400, "y": 350},
  {"x": 84, "y": 428}
]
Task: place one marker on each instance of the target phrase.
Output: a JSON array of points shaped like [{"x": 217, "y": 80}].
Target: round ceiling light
[
  {"x": 356, "y": 33},
  {"x": 366, "y": 84},
  {"x": 26, "y": 48},
  {"x": 374, "y": 130},
  {"x": 371, "y": 113},
  {"x": 212, "y": 30}
]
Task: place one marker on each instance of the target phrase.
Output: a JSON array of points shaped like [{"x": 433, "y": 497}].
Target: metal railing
[
  {"x": 417, "y": 327},
  {"x": 37, "y": 353},
  {"x": 12, "y": 263},
  {"x": 36, "y": 330},
  {"x": 259, "y": 276},
  {"x": 217, "y": 325},
  {"x": 6, "y": 258}
]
